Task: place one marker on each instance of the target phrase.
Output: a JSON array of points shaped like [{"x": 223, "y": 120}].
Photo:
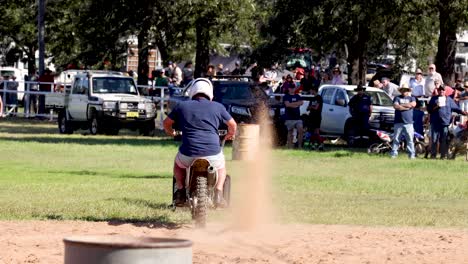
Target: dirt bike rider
[{"x": 199, "y": 120}]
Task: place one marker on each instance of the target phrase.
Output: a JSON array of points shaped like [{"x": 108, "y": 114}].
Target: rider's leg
[
  {"x": 221, "y": 179},
  {"x": 179, "y": 175}
]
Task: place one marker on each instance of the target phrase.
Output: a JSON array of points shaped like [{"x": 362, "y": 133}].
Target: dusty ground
[{"x": 41, "y": 242}]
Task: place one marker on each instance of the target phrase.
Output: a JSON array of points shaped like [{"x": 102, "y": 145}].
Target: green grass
[{"x": 44, "y": 175}]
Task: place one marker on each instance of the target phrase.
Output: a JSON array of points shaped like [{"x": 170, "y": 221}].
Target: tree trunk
[
  {"x": 202, "y": 58},
  {"x": 143, "y": 66},
  {"x": 357, "y": 58},
  {"x": 446, "y": 47},
  {"x": 31, "y": 61}
]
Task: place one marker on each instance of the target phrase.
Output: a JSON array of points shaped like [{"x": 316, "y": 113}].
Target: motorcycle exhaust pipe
[{"x": 211, "y": 170}]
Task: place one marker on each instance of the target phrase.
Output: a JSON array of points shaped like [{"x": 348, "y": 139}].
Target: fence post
[
  {"x": 161, "y": 107},
  {"x": 26, "y": 100},
  {"x": 51, "y": 111},
  {"x": 4, "y": 97}
]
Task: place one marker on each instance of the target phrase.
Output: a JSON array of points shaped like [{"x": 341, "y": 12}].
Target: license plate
[{"x": 132, "y": 114}]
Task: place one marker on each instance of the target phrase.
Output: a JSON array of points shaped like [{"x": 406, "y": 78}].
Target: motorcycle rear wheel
[{"x": 200, "y": 207}]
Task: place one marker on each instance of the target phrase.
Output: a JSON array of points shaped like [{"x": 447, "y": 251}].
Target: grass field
[{"x": 44, "y": 175}]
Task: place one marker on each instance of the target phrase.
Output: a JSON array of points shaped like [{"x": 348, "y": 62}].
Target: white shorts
[{"x": 216, "y": 161}]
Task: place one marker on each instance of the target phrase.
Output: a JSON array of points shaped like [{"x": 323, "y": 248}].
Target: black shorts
[{"x": 314, "y": 122}]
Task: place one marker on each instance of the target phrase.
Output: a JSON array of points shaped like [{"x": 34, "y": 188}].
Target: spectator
[
  {"x": 377, "y": 84},
  {"x": 287, "y": 83},
  {"x": 417, "y": 84},
  {"x": 210, "y": 71},
  {"x": 161, "y": 79},
  {"x": 168, "y": 71},
  {"x": 464, "y": 101},
  {"x": 315, "y": 117},
  {"x": 418, "y": 117},
  {"x": 220, "y": 70},
  {"x": 293, "y": 117},
  {"x": 46, "y": 82},
  {"x": 324, "y": 78},
  {"x": 389, "y": 88},
  {"x": 187, "y": 73},
  {"x": 176, "y": 76},
  {"x": 337, "y": 76},
  {"x": 307, "y": 83},
  {"x": 440, "y": 108},
  {"x": 12, "y": 85},
  {"x": 360, "y": 107},
  {"x": 403, "y": 104},
  {"x": 432, "y": 75},
  {"x": 438, "y": 83},
  {"x": 237, "y": 69}
]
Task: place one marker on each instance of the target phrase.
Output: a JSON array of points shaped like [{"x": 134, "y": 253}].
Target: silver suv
[{"x": 105, "y": 102}]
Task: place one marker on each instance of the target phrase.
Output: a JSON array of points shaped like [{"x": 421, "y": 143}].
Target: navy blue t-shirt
[
  {"x": 360, "y": 105},
  {"x": 441, "y": 116},
  {"x": 292, "y": 113},
  {"x": 406, "y": 116},
  {"x": 199, "y": 121}
]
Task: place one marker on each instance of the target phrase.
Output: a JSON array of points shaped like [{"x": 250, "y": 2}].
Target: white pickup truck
[{"x": 103, "y": 102}]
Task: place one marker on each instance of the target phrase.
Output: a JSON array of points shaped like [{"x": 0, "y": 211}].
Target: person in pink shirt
[{"x": 337, "y": 76}]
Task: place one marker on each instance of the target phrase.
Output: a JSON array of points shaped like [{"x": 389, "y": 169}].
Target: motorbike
[
  {"x": 385, "y": 145},
  {"x": 200, "y": 182}
]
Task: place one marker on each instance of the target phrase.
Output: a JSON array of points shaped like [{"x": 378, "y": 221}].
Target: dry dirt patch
[{"x": 41, "y": 242}]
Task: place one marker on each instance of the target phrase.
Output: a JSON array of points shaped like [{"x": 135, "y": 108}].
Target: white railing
[{"x": 33, "y": 102}]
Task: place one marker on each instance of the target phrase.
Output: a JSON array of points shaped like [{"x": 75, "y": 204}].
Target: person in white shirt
[
  {"x": 390, "y": 88},
  {"x": 431, "y": 76},
  {"x": 417, "y": 84}
]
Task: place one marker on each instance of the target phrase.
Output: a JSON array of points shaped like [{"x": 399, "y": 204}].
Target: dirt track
[{"x": 41, "y": 242}]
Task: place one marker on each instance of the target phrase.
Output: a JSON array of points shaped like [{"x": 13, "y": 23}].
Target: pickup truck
[
  {"x": 242, "y": 100},
  {"x": 104, "y": 102}
]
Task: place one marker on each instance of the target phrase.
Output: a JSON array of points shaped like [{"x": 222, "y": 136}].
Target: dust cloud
[{"x": 253, "y": 210}]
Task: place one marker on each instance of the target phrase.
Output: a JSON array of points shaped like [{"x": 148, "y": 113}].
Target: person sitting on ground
[
  {"x": 199, "y": 120},
  {"x": 293, "y": 119}
]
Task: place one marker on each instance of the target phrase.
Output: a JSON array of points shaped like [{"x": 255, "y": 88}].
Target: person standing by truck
[{"x": 360, "y": 107}]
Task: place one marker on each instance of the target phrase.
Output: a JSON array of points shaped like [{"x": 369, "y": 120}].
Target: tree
[{"x": 18, "y": 23}]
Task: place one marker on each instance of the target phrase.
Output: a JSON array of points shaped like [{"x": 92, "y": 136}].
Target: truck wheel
[
  {"x": 95, "y": 125},
  {"x": 64, "y": 125},
  {"x": 349, "y": 134},
  {"x": 148, "y": 129}
]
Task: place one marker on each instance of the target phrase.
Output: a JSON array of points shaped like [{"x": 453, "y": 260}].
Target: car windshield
[
  {"x": 237, "y": 90},
  {"x": 378, "y": 98},
  {"x": 7, "y": 73},
  {"x": 114, "y": 85}
]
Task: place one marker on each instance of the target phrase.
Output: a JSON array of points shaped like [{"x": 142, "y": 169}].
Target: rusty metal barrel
[
  {"x": 246, "y": 141},
  {"x": 116, "y": 249}
]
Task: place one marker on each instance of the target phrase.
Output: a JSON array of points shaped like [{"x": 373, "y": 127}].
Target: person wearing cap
[
  {"x": 432, "y": 75},
  {"x": 464, "y": 101},
  {"x": 237, "y": 69},
  {"x": 293, "y": 119},
  {"x": 417, "y": 84},
  {"x": 199, "y": 120},
  {"x": 440, "y": 108},
  {"x": 336, "y": 79},
  {"x": 389, "y": 88},
  {"x": 360, "y": 107},
  {"x": 403, "y": 104}
]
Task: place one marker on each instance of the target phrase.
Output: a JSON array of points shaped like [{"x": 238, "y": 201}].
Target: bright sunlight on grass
[{"x": 44, "y": 175}]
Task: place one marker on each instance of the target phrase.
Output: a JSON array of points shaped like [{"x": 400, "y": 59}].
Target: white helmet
[{"x": 201, "y": 86}]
